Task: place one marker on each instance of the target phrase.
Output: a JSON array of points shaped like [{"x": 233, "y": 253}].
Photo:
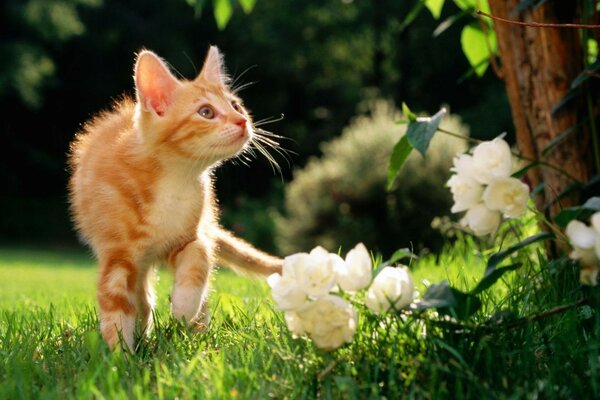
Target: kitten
[{"x": 141, "y": 193}]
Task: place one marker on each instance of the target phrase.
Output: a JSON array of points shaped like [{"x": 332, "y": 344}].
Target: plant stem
[{"x": 537, "y": 24}]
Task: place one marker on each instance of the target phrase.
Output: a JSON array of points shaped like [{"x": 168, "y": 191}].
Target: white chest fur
[{"x": 177, "y": 208}]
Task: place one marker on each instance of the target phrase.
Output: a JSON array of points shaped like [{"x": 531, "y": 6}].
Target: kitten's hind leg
[
  {"x": 116, "y": 297},
  {"x": 193, "y": 264}
]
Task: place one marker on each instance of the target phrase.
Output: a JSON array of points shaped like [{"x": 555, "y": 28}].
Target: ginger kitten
[{"x": 141, "y": 193}]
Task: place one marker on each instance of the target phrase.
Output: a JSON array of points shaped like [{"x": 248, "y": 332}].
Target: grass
[{"x": 50, "y": 346}]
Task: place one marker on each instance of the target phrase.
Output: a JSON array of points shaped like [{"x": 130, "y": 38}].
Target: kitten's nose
[{"x": 241, "y": 122}]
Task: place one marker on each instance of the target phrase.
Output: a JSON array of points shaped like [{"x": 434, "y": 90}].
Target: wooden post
[{"x": 538, "y": 66}]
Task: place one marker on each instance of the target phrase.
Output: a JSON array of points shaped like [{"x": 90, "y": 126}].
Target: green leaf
[
  {"x": 523, "y": 171},
  {"x": 421, "y": 131},
  {"x": 566, "y": 215},
  {"x": 198, "y": 6},
  {"x": 449, "y": 301},
  {"x": 448, "y": 22},
  {"x": 407, "y": 113},
  {"x": 491, "y": 276},
  {"x": 435, "y": 7},
  {"x": 475, "y": 47},
  {"x": 223, "y": 10},
  {"x": 412, "y": 14},
  {"x": 472, "y": 5},
  {"x": 400, "y": 153},
  {"x": 247, "y": 5},
  {"x": 399, "y": 255},
  {"x": 497, "y": 258}
]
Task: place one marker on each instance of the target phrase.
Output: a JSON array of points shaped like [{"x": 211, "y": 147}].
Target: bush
[{"x": 340, "y": 198}]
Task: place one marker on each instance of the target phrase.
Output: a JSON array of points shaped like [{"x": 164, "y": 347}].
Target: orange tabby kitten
[{"x": 141, "y": 192}]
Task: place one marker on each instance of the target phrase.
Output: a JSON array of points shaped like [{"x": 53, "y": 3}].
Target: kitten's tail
[{"x": 240, "y": 256}]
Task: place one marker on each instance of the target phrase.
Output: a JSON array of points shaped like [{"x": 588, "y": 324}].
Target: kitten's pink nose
[{"x": 241, "y": 122}]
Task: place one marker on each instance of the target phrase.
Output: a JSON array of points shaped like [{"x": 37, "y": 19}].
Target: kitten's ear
[
  {"x": 154, "y": 83},
  {"x": 213, "y": 69}
]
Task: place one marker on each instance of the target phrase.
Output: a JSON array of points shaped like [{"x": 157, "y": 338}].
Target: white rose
[
  {"x": 492, "y": 160},
  {"x": 466, "y": 192},
  {"x": 330, "y": 322},
  {"x": 355, "y": 273},
  {"x": 580, "y": 235},
  {"x": 482, "y": 220},
  {"x": 286, "y": 292},
  {"x": 294, "y": 323},
  {"x": 316, "y": 272},
  {"x": 391, "y": 288},
  {"x": 507, "y": 195}
]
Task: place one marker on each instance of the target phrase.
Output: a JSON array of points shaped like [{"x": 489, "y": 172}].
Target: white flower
[
  {"x": 286, "y": 292},
  {"x": 595, "y": 220},
  {"x": 330, "y": 322},
  {"x": 355, "y": 273},
  {"x": 294, "y": 323},
  {"x": 463, "y": 166},
  {"x": 491, "y": 160},
  {"x": 466, "y": 192},
  {"x": 391, "y": 288},
  {"x": 482, "y": 220},
  {"x": 507, "y": 195},
  {"x": 316, "y": 271},
  {"x": 580, "y": 235}
]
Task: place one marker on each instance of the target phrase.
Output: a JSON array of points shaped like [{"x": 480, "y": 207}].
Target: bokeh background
[{"x": 336, "y": 69}]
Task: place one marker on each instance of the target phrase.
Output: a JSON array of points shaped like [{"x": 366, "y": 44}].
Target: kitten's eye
[
  {"x": 206, "y": 112},
  {"x": 236, "y": 106}
]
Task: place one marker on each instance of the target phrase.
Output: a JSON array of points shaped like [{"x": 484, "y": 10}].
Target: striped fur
[{"x": 141, "y": 193}]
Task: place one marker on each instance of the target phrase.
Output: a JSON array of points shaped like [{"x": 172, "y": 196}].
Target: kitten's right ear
[{"x": 154, "y": 83}]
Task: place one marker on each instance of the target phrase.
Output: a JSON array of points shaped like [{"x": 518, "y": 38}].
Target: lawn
[{"x": 50, "y": 346}]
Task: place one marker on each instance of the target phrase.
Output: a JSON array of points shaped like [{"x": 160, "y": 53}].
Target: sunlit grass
[{"x": 50, "y": 345}]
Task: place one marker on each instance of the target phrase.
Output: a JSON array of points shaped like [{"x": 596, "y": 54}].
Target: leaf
[
  {"x": 491, "y": 276},
  {"x": 497, "y": 258},
  {"x": 562, "y": 102},
  {"x": 448, "y": 22},
  {"x": 449, "y": 301},
  {"x": 475, "y": 47},
  {"x": 198, "y": 6},
  {"x": 435, "y": 7},
  {"x": 399, "y": 155},
  {"x": 399, "y": 255},
  {"x": 412, "y": 14},
  {"x": 562, "y": 136},
  {"x": 586, "y": 74},
  {"x": 247, "y": 5},
  {"x": 566, "y": 215},
  {"x": 407, "y": 113},
  {"x": 223, "y": 10},
  {"x": 523, "y": 171},
  {"x": 421, "y": 131}
]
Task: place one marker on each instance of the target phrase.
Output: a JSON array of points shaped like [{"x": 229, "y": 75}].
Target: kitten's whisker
[
  {"x": 237, "y": 78},
  {"x": 239, "y": 88},
  {"x": 268, "y": 120}
]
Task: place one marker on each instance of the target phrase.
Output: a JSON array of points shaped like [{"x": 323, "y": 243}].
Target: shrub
[{"x": 340, "y": 198}]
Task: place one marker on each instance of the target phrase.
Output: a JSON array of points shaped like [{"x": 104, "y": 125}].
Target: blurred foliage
[
  {"x": 318, "y": 63},
  {"x": 33, "y": 27},
  {"x": 340, "y": 198}
]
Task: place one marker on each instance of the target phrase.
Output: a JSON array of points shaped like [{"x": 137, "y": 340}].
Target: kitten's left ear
[
  {"x": 154, "y": 83},
  {"x": 213, "y": 69}
]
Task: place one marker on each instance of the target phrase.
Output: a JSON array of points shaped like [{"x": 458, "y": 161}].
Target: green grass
[{"x": 50, "y": 345}]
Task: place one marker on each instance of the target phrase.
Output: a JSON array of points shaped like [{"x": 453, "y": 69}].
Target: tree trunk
[{"x": 538, "y": 66}]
